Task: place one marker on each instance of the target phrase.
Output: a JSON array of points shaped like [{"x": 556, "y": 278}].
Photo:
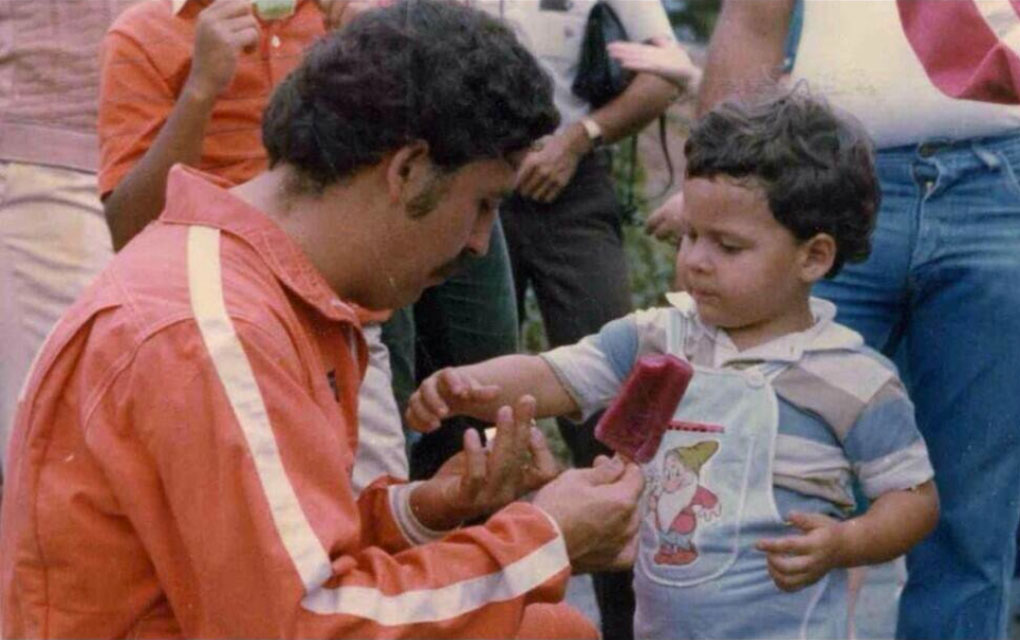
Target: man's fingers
[
  {"x": 549, "y": 192},
  {"x": 501, "y": 446},
  {"x": 633, "y": 481},
  {"x": 517, "y": 434},
  {"x": 530, "y": 186},
  {"x": 606, "y": 473},
  {"x": 475, "y": 463},
  {"x": 524, "y": 417},
  {"x": 542, "y": 457}
]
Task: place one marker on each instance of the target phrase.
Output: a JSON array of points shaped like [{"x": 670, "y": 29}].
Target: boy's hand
[
  {"x": 800, "y": 560},
  {"x": 446, "y": 392},
  {"x": 479, "y": 481},
  {"x": 224, "y": 29}
]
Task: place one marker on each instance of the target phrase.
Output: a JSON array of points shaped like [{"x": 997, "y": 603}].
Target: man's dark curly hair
[
  {"x": 431, "y": 70},
  {"x": 816, "y": 168}
]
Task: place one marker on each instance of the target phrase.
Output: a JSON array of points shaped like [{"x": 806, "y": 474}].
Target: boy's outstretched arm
[
  {"x": 479, "y": 390},
  {"x": 894, "y": 523}
]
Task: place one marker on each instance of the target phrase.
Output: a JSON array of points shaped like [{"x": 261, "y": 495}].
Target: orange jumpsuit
[{"x": 180, "y": 464}]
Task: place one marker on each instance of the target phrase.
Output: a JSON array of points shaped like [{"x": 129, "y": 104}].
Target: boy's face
[{"x": 743, "y": 269}]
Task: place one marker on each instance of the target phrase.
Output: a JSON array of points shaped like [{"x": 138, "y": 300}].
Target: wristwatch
[{"x": 594, "y": 132}]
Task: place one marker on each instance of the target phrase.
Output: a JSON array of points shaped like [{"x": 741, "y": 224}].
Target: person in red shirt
[
  {"x": 181, "y": 459},
  {"x": 187, "y": 81}
]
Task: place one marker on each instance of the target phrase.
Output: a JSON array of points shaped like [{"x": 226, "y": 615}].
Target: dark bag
[{"x": 599, "y": 78}]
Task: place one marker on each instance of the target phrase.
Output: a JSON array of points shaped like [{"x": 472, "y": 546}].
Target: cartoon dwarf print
[{"x": 678, "y": 501}]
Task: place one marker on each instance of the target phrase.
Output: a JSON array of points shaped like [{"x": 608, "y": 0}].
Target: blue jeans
[{"x": 941, "y": 295}]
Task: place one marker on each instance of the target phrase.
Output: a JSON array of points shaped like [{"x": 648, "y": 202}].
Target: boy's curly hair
[
  {"x": 431, "y": 70},
  {"x": 816, "y": 168}
]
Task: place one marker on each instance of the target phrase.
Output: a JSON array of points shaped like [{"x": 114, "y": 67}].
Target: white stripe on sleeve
[{"x": 302, "y": 545}]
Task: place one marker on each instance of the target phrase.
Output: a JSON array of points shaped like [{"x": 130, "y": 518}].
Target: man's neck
[{"x": 318, "y": 224}]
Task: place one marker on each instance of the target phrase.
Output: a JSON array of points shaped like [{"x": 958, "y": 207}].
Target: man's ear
[
  {"x": 817, "y": 255},
  {"x": 408, "y": 166}
]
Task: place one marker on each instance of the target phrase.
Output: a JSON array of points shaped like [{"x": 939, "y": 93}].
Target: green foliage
[{"x": 650, "y": 261}]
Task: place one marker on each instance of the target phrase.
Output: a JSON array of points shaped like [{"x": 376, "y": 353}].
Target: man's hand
[
  {"x": 596, "y": 510},
  {"x": 797, "y": 561},
  {"x": 225, "y": 28},
  {"x": 551, "y": 164},
  {"x": 479, "y": 481},
  {"x": 664, "y": 57},
  {"x": 664, "y": 223},
  {"x": 337, "y": 13},
  {"x": 446, "y": 392}
]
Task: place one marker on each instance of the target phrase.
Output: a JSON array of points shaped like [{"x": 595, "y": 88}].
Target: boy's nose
[{"x": 694, "y": 257}]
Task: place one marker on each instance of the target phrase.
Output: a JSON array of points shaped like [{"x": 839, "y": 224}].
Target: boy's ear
[
  {"x": 406, "y": 167},
  {"x": 817, "y": 255}
]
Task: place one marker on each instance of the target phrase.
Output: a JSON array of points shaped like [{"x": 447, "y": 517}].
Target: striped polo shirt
[{"x": 843, "y": 411}]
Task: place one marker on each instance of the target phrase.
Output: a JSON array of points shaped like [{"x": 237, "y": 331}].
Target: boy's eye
[{"x": 730, "y": 248}]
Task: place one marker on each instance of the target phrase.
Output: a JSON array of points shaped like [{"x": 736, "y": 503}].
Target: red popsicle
[{"x": 634, "y": 423}]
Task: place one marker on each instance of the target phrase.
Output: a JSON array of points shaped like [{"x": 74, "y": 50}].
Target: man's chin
[{"x": 397, "y": 297}]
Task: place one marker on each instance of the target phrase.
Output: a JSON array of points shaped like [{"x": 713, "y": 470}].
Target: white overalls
[{"x": 698, "y": 574}]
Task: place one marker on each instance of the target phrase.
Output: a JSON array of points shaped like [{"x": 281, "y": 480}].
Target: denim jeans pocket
[{"x": 1009, "y": 160}]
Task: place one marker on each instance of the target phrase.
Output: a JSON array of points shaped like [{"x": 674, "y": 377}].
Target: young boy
[{"x": 749, "y": 495}]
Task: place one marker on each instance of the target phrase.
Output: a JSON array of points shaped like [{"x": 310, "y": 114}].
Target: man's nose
[{"x": 478, "y": 241}]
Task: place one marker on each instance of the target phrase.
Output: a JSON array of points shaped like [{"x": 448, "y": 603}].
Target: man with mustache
[{"x": 181, "y": 461}]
